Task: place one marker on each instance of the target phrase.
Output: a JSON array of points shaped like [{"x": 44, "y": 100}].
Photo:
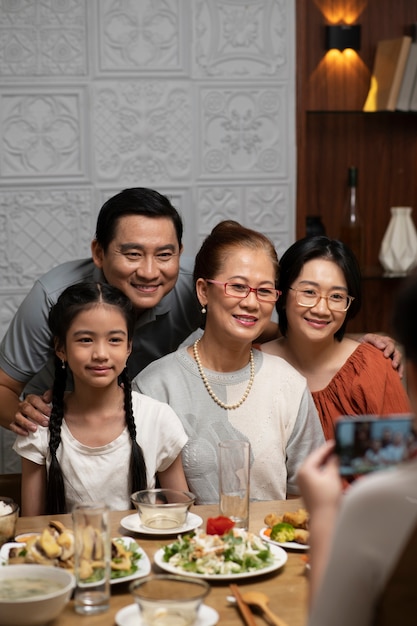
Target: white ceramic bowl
[
  {"x": 8, "y": 521},
  {"x": 162, "y": 509},
  {"x": 37, "y": 609},
  {"x": 169, "y": 599}
]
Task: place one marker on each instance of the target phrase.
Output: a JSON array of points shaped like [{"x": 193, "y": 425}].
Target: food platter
[
  {"x": 142, "y": 564},
  {"x": 264, "y": 558},
  {"x": 132, "y": 523},
  {"x": 287, "y": 545}
]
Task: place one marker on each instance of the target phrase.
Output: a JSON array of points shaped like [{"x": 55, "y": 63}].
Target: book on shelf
[
  {"x": 387, "y": 74},
  {"x": 413, "y": 98},
  {"x": 409, "y": 80}
]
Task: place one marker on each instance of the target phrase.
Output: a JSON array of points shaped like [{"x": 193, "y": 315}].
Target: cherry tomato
[{"x": 219, "y": 525}]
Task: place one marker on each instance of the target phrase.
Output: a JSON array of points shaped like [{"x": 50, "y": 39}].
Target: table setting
[
  {"x": 285, "y": 586},
  {"x": 167, "y": 562}
]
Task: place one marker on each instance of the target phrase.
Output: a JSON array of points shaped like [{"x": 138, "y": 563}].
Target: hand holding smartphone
[{"x": 368, "y": 443}]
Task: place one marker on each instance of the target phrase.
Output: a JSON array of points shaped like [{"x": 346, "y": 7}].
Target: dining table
[{"x": 287, "y": 587}]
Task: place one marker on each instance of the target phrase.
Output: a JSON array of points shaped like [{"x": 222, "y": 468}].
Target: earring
[
  {"x": 204, "y": 310},
  {"x": 63, "y": 364}
]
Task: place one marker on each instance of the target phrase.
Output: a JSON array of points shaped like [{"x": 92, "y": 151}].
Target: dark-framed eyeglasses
[
  {"x": 336, "y": 301},
  {"x": 240, "y": 290}
]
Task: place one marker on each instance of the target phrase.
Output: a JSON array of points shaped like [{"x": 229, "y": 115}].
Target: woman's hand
[
  {"x": 319, "y": 479},
  {"x": 321, "y": 489}
]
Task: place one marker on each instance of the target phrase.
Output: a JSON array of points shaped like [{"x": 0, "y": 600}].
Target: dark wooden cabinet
[{"x": 333, "y": 133}]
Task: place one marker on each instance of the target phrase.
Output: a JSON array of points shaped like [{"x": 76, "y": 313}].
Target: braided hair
[{"x": 70, "y": 303}]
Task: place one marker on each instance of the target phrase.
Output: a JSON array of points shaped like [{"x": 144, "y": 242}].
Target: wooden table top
[{"x": 287, "y": 588}]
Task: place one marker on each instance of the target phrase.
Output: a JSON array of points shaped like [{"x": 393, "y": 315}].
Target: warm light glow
[
  {"x": 341, "y": 56},
  {"x": 336, "y": 64},
  {"x": 341, "y": 11}
]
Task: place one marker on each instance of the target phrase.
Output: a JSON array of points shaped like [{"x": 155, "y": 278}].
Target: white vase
[{"x": 398, "y": 253}]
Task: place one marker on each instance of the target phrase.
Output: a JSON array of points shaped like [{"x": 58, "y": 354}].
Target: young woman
[
  {"x": 93, "y": 447},
  {"x": 321, "y": 290},
  {"x": 222, "y": 388},
  {"x": 363, "y": 545}
]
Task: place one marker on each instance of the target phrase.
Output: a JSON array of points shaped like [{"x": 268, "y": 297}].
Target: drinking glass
[
  {"x": 92, "y": 558},
  {"x": 234, "y": 470}
]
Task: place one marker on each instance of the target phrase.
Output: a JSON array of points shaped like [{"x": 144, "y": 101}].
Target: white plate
[
  {"x": 144, "y": 565},
  {"x": 132, "y": 522},
  {"x": 288, "y": 545},
  {"x": 5, "y": 549},
  {"x": 130, "y": 616},
  {"x": 280, "y": 558}
]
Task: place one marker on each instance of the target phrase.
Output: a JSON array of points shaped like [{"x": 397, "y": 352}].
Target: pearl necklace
[{"x": 210, "y": 390}]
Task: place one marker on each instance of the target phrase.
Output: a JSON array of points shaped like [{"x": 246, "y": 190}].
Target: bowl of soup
[
  {"x": 162, "y": 509},
  {"x": 33, "y": 595}
]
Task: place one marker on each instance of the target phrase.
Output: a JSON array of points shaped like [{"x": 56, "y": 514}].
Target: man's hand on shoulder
[
  {"x": 388, "y": 347},
  {"x": 32, "y": 410}
]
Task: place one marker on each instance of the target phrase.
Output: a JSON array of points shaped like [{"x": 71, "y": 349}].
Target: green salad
[
  {"x": 235, "y": 552},
  {"x": 118, "y": 561}
]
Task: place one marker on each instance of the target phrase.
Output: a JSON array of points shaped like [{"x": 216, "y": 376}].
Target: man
[{"x": 137, "y": 248}]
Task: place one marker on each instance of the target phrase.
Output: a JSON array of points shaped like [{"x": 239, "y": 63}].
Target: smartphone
[{"x": 368, "y": 443}]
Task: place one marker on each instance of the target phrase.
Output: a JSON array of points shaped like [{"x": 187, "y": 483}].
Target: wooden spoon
[{"x": 259, "y": 599}]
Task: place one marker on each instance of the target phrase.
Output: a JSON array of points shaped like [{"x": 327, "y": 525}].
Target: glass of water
[
  {"x": 234, "y": 470},
  {"x": 92, "y": 566}
]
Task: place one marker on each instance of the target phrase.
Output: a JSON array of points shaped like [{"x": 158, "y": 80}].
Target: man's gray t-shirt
[{"x": 26, "y": 350}]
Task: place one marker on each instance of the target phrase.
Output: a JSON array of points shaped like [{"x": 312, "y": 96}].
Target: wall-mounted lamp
[{"x": 342, "y": 36}]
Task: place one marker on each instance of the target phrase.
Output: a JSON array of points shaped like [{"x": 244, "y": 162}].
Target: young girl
[{"x": 92, "y": 450}]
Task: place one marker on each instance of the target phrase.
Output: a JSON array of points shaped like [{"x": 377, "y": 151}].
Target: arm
[
  {"x": 33, "y": 488},
  {"x": 10, "y": 391},
  {"x": 24, "y": 351},
  {"x": 174, "y": 477},
  {"x": 321, "y": 488}
]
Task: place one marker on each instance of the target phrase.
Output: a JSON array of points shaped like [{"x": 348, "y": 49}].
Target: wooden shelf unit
[{"x": 333, "y": 132}]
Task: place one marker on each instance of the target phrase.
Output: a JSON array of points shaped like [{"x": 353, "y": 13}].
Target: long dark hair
[
  {"x": 318, "y": 247},
  {"x": 70, "y": 303}
]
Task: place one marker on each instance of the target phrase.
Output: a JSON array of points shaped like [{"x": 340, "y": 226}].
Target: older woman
[
  {"x": 321, "y": 290},
  {"x": 221, "y": 387}
]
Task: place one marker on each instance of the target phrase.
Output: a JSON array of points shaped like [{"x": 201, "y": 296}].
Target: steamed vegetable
[{"x": 282, "y": 532}]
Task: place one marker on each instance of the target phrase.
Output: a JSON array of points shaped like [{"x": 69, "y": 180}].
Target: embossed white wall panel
[
  {"x": 143, "y": 36},
  {"x": 43, "y": 135},
  {"x": 195, "y": 98},
  {"x": 143, "y": 132}
]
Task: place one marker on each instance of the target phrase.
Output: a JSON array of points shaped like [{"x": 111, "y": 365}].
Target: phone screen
[{"x": 365, "y": 444}]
